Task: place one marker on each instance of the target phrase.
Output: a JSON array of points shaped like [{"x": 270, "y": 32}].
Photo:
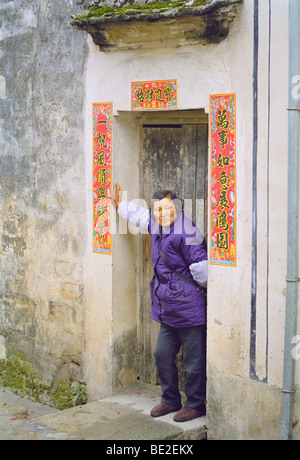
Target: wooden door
[{"x": 174, "y": 157}]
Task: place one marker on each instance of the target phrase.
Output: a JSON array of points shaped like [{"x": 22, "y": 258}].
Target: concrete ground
[{"x": 121, "y": 417}]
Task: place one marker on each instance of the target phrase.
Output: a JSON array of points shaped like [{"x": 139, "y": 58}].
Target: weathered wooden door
[{"x": 174, "y": 158}]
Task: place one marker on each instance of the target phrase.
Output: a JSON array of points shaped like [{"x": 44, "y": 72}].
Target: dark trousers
[{"x": 193, "y": 341}]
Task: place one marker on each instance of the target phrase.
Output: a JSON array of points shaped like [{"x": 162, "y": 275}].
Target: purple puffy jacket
[{"x": 174, "y": 301}]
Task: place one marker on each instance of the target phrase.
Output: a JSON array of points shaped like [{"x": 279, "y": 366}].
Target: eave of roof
[{"x": 160, "y": 24}]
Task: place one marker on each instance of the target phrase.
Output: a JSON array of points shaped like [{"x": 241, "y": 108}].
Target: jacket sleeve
[
  {"x": 199, "y": 272},
  {"x": 135, "y": 215},
  {"x": 196, "y": 257}
]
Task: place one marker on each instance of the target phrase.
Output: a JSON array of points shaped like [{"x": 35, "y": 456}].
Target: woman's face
[{"x": 164, "y": 212}]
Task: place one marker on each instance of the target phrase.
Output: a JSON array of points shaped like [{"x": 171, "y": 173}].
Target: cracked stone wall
[{"x": 42, "y": 186}]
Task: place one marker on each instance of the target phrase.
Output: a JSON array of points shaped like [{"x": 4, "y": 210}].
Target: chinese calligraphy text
[
  {"x": 223, "y": 179},
  {"x": 150, "y": 95},
  {"x": 102, "y": 175}
]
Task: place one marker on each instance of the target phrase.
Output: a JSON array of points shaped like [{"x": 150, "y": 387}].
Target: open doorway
[{"x": 174, "y": 156}]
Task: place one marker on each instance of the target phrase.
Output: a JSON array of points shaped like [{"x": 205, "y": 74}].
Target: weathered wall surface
[
  {"x": 239, "y": 406},
  {"x": 251, "y": 406},
  {"x": 42, "y": 186},
  {"x": 73, "y": 313}
]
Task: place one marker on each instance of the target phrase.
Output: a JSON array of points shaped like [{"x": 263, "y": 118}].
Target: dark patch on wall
[{"x": 125, "y": 360}]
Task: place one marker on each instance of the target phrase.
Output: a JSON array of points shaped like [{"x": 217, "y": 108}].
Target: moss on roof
[{"x": 98, "y": 11}]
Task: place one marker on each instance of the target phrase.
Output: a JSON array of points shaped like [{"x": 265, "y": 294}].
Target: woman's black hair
[{"x": 161, "y": 194}]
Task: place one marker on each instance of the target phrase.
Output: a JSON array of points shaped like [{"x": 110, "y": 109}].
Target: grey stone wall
[{"x": 42, "y": 185}]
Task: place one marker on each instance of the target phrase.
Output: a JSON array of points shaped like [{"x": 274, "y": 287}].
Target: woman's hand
[{"x": 117, "y": 195}]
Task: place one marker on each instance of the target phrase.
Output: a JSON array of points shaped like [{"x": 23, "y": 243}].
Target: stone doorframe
[{"x": 113, "y": 344}]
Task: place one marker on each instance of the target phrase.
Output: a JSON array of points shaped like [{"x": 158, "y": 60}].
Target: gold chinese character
[
  {"x": 223, "y": 179},
  {"x": 102, "y": 176},
  {"x": 222, "y": 221},
  {"x": 223, "y": 240},
  {"x": 223, "y": 201}
]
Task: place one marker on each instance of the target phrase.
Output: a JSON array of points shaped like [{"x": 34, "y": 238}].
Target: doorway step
[{"x": 123, "y": 417}]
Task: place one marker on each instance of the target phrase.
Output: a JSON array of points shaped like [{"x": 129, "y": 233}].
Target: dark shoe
[
  {"x": 188, "y": 413},
  {"x": 163, "y": 409}
]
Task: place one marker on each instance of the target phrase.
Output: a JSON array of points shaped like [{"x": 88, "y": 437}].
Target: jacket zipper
[{"x": 155, "y": 271}]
